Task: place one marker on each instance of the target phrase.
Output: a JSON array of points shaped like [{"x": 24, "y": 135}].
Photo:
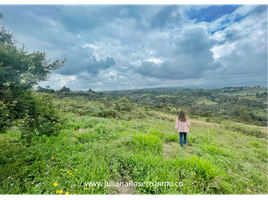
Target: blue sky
[{"x": 115, "y": 47}]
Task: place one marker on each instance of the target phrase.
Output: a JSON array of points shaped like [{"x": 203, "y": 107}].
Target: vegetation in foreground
[{"x": 136, "y": 145}]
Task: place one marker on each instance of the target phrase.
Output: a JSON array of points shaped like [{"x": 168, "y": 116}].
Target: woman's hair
[{"x": 182, "y": 116}]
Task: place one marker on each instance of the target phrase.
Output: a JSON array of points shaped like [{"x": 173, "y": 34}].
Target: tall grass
[{"x": 216, "y": 160}]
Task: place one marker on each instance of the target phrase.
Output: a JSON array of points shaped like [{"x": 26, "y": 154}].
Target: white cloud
[
  {"x": 155, "y": 60},
  {"x": 90, "y": 46},
  {"x": 221, "y": 50},
  {"x": 93, "y": 33}
]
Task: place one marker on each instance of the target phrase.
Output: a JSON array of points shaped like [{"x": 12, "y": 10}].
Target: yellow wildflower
[
  {"x": 73, "y": 175},
  {"x": 57, "y": 191},
  {"x": 86, "y": 189},
  {"x": 60, "y": 169},
  {"x": 251, "y": 184},
  {"x": 60, "y": 191},
  {"x": 55, "y": 184},
  {"x": 66, "y": 192},
  {"x": 76, "y": 169},
  {"x": 52, "y": 156},
  {"x": 68, "y": 171}
]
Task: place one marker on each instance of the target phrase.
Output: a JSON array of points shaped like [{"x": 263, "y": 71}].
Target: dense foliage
[
  {"x": 240, "y": 104},
  {"x": 19, "y": 72}
]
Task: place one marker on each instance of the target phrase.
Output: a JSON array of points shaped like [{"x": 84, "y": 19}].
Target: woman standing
[{"x": 182, "y": 125}]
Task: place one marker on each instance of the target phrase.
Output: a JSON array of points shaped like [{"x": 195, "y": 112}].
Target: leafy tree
[
  {"x": 244, "y": 115},
  {"x": 19, "y": 72},
  {"x": 64, "y": 89}
]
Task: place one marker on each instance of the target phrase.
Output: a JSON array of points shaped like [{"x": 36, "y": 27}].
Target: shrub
[
  {"x": 256, "y": 123},
  {"x": 109, "y": 112},
  {"x": 42, "y": 119},
  {"x": 95, "y": 111}
]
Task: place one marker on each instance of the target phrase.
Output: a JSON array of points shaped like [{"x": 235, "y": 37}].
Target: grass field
[
  {"x": 207, "y": 102},
  {"x": 216, "y": 160},
  {"x": 253, "y": 91}
]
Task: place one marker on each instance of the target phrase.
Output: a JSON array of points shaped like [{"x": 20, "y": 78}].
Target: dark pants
[{"x": 183, "y": 134}]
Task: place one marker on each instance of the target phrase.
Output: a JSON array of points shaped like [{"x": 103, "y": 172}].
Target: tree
[
  {"x": 64, "y": 89},
  {"x": 5, "y": 35},
  {"x": 19, "y": 72},
  {"x": 244, "y": 115}
]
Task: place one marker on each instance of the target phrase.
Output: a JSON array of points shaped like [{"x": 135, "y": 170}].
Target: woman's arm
[
  {"x": 176, "y": 124},
  {"x": 188, "y": 122}
]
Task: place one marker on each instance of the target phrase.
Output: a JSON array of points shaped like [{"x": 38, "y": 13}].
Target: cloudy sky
[{"x": 144, "y": 46}]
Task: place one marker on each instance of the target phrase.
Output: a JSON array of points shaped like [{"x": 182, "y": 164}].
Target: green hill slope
[{"x": 92, "y": 149}]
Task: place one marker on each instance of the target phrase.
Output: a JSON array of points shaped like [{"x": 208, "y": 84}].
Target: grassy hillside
[
  {"x": 251, "y": 91},
  {"x": 218, "y": 159}
]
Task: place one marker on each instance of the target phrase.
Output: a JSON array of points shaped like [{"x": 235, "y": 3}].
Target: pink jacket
[{"x": 182, "y": 126}]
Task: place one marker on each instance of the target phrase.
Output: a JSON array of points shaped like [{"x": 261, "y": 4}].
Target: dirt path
[
  {"x": 169, "y": 149},
  {"x": 121, "y": 188},
  {"x": 207, "y": 124}
]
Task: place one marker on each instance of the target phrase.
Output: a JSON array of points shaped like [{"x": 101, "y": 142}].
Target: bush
[
  {"x": 109, "y": 112},
  {"x": 42, "y": 118},
  {"x": 95, "y": 111},
  {"x": 256, "y": 123}
]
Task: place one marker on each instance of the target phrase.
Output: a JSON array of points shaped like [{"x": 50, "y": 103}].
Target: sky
[{"x": 122, "y": 47}]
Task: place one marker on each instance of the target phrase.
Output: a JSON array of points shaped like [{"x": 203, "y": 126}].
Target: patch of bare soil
[
  {"x": 122, "y": 188},
  {"x": 82, "y": 130},
  {"x": 173, "y": 149},
  {"x": 169, "y": 149}
]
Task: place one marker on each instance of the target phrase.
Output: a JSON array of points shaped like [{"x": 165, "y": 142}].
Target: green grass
[
  {"x": 217, "y": 160},
  {"x": 248, "y": 91}
]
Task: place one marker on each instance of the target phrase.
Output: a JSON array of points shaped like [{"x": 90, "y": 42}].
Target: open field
[{"x": 93, "y": 149}]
